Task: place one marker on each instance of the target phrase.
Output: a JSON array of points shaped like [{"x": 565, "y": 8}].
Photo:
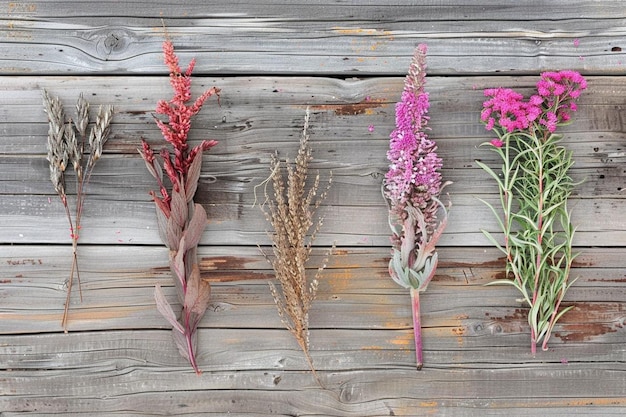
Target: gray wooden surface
[{"x": 346, "y": 60}]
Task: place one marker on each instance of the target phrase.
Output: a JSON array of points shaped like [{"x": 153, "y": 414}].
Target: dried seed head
[
  {"x": 74, "y": 149},
  {"x": 100, "y": 132},
  {"x": 82, "y": 115},
  {"x": 56, "y": 129},
  {"x": 57, "y": 178},
  {"x": 58, "y": 154}
]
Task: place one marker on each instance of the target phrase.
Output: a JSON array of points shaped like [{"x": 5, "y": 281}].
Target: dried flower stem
[
  {"x": 291, "y": 214},
  {"x": 181, "y": 222},
  {"x": 66, "y": 145}
]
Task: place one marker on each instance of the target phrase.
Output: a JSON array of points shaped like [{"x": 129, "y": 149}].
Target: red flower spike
[{"x": 180, "y": 221}]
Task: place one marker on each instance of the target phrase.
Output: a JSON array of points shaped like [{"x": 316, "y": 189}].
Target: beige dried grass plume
[{"x": 292, "y": 214}]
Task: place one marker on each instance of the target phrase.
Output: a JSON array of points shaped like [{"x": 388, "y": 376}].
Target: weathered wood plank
[
  {"x": 120, "y": 177},
  {"x": 355, "y": 293},
  {"x": 345, "y": 108},
  {"x": 261, "y": 115},
  {"x": 41, "y": 220},
  {"x": 376, "y": 393},
  {"x": 462, "y": 345},
  {"x": 42, "y": 260},
  {"x": 274, "y": 349},
  {"x": 432, "y": 11},
  {"x": 41, "y": 37}
]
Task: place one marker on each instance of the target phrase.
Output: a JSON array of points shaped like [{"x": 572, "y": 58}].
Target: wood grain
[
  {"x": 346, "y": 61},
  {"x": 360, "y": 334},
  {"x": 316, "y": 37},
  {"x": 259, "y": 116}
]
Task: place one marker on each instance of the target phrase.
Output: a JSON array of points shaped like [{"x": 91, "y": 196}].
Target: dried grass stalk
[
  {"x": 67, "y": 139},
  {"x": 292, "y": 214}
]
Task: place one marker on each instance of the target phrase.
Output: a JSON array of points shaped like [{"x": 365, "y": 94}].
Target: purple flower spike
[{"x": 412, "y": 187}]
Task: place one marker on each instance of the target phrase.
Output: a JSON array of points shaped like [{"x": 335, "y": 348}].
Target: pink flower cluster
[
  {"x": 559, "y": 91},
  {"x": 413, "y": 175},
  {"x": 552, "y": 106},
  {"x": 176, "y": 129},
  {"x": 509, "y": 109}
]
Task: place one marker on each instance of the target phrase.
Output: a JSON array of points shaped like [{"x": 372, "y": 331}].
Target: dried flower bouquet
[
  {"x": 68, "y": 140},
  {"x": 534, "y": 186},
  {"x": 412, "y": 187},
  {"x": 291, "y": 213},
  {"x": 181, "y": 222}
]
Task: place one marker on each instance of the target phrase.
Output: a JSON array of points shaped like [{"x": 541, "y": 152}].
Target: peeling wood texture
[{"x": 346, "y": 61}]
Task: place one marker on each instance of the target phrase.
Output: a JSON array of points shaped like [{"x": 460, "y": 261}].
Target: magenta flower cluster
[
  {"x": 413, "y": 176},
  {"x": 551, "y": 106}
]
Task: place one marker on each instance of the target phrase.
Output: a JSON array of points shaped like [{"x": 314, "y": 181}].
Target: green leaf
[
  {"x": 396, "y": 271},
  {"x": 490, "y": 172},
  {"x": 493, "y": 210},
  {"x": 533, "y": 314},
  {"x": 493, "y": 241},
  {"x": 558, "y": 316}
]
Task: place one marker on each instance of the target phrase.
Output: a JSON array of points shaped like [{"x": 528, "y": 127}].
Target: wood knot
[
  {"x": 496, "y": 329},
  {"x": 347, "y": 394},
  {"x": 112, "y": 42}
]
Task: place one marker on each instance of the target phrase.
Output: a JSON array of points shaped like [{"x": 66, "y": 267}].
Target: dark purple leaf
[
  {"x": 162, "y": 225},
  {"x": 193, "y": 175},
  {"x": 197, "y": 297},
  {"x": 177, "y": 264},
  {"x": 166, "y": 309},
  {"x": 173, "y": 234},
  {"x": 154, "y": 167},
  {"x": 181, "y": 343},
  {"x": 158, "y": 169},
  {"x": 196, "y": 227},
  {"x": 179, "y": 208}
]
